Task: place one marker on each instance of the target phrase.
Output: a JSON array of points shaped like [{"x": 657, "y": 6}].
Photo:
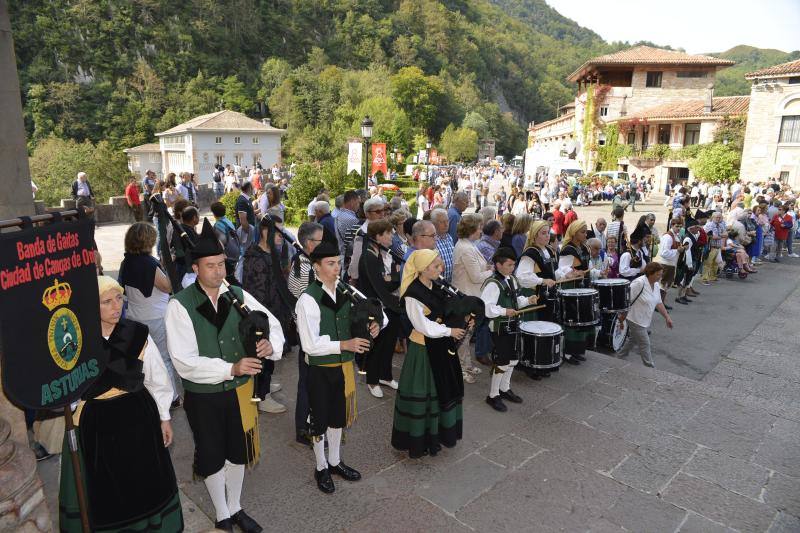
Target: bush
[
  {"x": 229, "y": 201},
  {"x": 305, "y": 186},
  {"x": 716, "y": 162}
]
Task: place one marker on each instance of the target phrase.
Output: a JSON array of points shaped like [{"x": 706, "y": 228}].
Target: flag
[
  {"x": 434, "y": 156},
  {"x": 379, "y": 159},
  {"x": 354, "y": 157}
]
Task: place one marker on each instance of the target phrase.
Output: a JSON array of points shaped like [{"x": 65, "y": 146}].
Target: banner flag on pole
[
  {"x": 354, "y": 159},
  {"x": 379, "y": 159}
]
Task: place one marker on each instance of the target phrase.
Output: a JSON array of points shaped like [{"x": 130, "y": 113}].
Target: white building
[
  {"x": 224, "y": 137},
  {"x": 772, "y": 140}
]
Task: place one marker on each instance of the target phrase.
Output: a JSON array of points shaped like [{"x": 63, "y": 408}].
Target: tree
[
  {"x": 459, "y": 144},
  {"x": 476, "y": 122},
  {"x": 716, "y": 162},
  {"x": 418, "y": 95},
  {"x": 306, "y": 184}
]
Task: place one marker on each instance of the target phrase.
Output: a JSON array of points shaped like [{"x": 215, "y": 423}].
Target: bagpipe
[
  {"x": 636, "y": 258},
  {"x": 363, "y": 312},
  {"x": 461, "y": 311},
  {"x": 288, "y": 237},
  {"x": 185, "y": 240},
  {"x": 398, "y": 258},
  {"x": 253, "y": 328}
]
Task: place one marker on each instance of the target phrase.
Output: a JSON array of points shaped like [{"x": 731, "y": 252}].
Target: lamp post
[
  {"x": 366, "y": 132},
  {"x": 428, "y": 145}
]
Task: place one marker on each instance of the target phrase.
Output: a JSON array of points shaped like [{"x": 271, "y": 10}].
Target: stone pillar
[{"x": 22, "y": 502}]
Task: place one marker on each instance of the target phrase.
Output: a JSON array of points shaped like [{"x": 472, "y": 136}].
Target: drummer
[
  {"x": 574, "y": 263},
  {"x": 503, "y": 301}
]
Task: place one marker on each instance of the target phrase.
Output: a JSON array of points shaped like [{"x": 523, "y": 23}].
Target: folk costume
[
  {"x": 576, "y": 257},
  {"x": 126, "y": 469},
  {"x": 323, "y": 320},
  {"x": 204, "y": 342},
  {"x": 534, "y": 266},
  {"x": 301, "y": 275},
  {"x": 427, "y": 411},
  {"x": 501, "y": 293}
]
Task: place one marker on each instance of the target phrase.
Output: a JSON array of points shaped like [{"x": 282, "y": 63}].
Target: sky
[{"x": 695, "y": 25}]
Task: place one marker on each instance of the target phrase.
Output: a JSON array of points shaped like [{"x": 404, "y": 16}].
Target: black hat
[
  {"x": 640, "y": 232},
  {"x": 207, "y": 243},
  {"x": 702, "y": 214},
  {"x": 323, "y": 250}
]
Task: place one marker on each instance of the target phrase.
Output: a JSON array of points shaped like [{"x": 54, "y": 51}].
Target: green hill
[{"x": 731, "y": 82}]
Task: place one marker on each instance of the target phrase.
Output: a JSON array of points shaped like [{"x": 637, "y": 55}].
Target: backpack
[{"x": 231, "y": 245}]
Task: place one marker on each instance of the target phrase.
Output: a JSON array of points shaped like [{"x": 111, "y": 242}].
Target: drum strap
[
  {"x": 637, "y": 297},
  {"x": 512, "y": 291}
]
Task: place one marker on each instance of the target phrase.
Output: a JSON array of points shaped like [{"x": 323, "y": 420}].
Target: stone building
[
  {"x": 223, "y": 137},
  {"x": 772, "y": 139},
  {"x": 635, "y": 86}
]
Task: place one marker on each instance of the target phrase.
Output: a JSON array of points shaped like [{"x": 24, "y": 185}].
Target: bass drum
[{"x": 611, "y": 335}]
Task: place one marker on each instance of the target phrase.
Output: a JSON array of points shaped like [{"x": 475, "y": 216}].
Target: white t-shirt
[{"x": 645, "y": 299}]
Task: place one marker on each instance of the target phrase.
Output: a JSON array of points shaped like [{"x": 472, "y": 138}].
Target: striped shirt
[{"x": 300, "y": 275}]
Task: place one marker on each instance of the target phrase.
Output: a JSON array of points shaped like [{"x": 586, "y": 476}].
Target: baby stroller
[{"x": 730, "y": 267}]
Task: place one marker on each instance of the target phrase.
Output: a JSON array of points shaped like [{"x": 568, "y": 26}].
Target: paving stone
[
  {"x": 665, "y": 416},
  {"x": 628, "y": 381},
  {"x": 784, "y": 523},
  {"x": 637, "y": 511},
  {"x": 407, "y": 514},
  {"x": 654, "y": 463},
  {"x": 622, "y": 427},
  {"x": 717, "y": 380},
  {"x": 603, "y": 389},
  {"x": 549, "y": 493},
  {"x": 781, "y": 449},
  {"x": 462, "y": 483},
  {"x": 579, "y": 405},
  {"x": 510, "y": 451},
  {"x": 783, "y": 493},
  {"x": 728, "y": 427},
  {"x": 733, "y": 474},
  {"x": 577, "y": 442},
  {"x": 718, "y": 504},
  {"x": 630, "y": 404},
  {"x": 695, "y": 523}
]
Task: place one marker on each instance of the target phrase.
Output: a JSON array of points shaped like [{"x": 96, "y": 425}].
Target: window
[
  {"x": 664, "y": 131},
  {"x": 255, "y": 140},
  {"x": 237, "y": 159},
  {"x": 237, "y": 140},
  {"x": 653, "y": 79},
  {"x": 784, "y": 177},
  {"x": 790, "y": 129},
  {"x": 645, "y": 137},
  {"x": 794, "y": 80},
  {"x": 218, "y": 158},
  {"x": 217, "y": 140},
  {"x": 692, "y": 73},
  {"x": 691, "y": 134},
  {"x": 604, "y": 111},
  {"x": 155, "y": 157},
  {"x": 256, "y": 159},
  {"x": 631, "y": 138}
]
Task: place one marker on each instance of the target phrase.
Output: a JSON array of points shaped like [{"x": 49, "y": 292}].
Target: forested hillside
[
  {"x": 731, "y": 82},
  {"x": 120, "y": 70}
]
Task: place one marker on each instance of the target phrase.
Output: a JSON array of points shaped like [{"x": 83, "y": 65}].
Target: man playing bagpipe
[
  {"x": 215, "y": 361},
  {"x": 324, "y": 324},
  {"x": 502, "y": 297}
]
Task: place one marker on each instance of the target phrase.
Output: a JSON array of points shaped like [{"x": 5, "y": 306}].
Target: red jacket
[
  {"x": 132, "y": 194},
  {"x": 781, "y": 233},
  {"x": 569, "y": 218},
  {"x": 558, "y": 222}
]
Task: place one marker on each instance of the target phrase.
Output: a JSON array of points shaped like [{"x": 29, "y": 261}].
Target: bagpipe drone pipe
[
  {"x": 253, "y": 328},
  {"x": 185, "y": 240},
  {"x": 363, "y": 312},
  {"x": 461, "y": 311}
]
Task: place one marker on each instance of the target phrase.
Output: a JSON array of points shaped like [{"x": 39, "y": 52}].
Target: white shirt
[
  {"x": 666, "y": 254},
  {"x": 491, "y": 293},
  {"x": 422, "y": 206},
  {"x": 355, "y": 255},
  {"x": 182, "y": 343},
  {"x": 641, "y": 311},
  {"x": 625, "y": 265},
  {"x": 526, "y": 270},
  {"x": 416, "y": 315},
  {"x": 309, "y": 317},
  {"x": 183, "y": 190}
]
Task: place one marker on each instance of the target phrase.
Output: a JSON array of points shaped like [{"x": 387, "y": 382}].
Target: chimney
[
  {"x": 266, "y": 121},
  {"x": 709, "y": 105}
]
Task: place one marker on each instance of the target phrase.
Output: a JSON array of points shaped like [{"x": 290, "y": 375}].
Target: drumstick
[{"x": 531, "y": 308}]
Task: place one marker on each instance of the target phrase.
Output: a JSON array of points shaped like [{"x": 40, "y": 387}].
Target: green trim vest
[
  {"x": 505, "y": 300},
  {"x": 224, "y": 343},
  {"x": 335, "y": 323}
]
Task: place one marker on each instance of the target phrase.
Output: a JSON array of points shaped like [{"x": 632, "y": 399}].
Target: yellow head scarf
[
  {"x": 107, "y": 283},
  {"x": 418, "y": 261},
  {"x": 536, "y": 227},
  {"x": 573, "y": 228}
]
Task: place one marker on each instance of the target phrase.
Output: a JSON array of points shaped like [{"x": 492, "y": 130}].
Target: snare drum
[
  {"x": 578, "y": 307},
  {"x": 542, "y": 344},
  {"x": 611, "y": 336},
  {"x": 615, "y": 294}
]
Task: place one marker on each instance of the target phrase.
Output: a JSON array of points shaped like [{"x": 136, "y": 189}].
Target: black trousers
[
  {"x": 379, "y": 359},
  {"x": 301, "y": 406},
  {"x": 265, "y": 377}
]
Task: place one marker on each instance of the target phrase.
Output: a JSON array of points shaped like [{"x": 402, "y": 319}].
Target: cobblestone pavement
[{"x": 609, "y": 445}]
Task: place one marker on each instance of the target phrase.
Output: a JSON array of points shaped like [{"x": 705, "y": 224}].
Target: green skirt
[
  {"x": 420, "y": 425},
  {"x": 577, "y": 340}
]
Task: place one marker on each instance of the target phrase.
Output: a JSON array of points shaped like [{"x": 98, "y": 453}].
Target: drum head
[
  {"x": 537, "y": 327},
  {"x": 577, "y": 292},
  {"x": 614, "y": 281},
  {"x": 618, "y": 335}
]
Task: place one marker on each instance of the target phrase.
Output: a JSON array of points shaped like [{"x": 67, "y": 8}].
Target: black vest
[{"x": 547, "y": 267}]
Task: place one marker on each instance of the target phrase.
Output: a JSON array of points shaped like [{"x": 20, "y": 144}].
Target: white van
[{"x": 570, "y": 167}]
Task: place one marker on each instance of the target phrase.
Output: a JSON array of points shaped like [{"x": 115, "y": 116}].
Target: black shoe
[
  {"x": 176, "y": 404},
  {"x": 40, "y": 452},
  {"x": 579, "y": 357},
  {"x": 510, "y": 396},
  {"x": 668, "y": 307},
  {"x": 224, "y": 525},
  {"x": 482, "y": 359},
  {"x": 572, "y": 361},
  {"x": 303, "y": 438},
  {"x": 245, "y": 523},
  {"x": 344, "y": 471},
  {"x": 543, "y": 373},
  {"x": 682, "y": 301},
  {"x": 324, "y": 481},
  {"x": 497, "y": 404},
  {"x": 435, "y": 449},
  {"x": 534, "y": 376}
]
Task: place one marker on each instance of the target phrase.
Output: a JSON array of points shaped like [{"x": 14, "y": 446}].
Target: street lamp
[
  {"x": 366, "y": 132},
  {"x": 428, "y": 145}
]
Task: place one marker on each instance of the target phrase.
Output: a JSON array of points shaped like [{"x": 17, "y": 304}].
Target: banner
[
  {"x": 434, "y": 156},
  {"x": 354, "y": 161},
  {"x": 49, "y": 314},
  {"x": 379, "y": 159}
]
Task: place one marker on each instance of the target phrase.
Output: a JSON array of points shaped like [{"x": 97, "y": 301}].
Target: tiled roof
[
  {"x": 647, "y": 55},
  {"x": 566, "y": 116},
  {"x": 722, "y": 106},
  {"x": 222, "y": 120},
  {"x": 792, "y": 67},
  {"x": 149, "y": 147}
]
